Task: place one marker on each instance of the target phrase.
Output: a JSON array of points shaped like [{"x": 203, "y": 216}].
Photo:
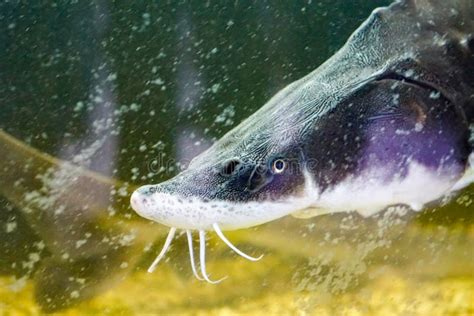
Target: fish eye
[
  {"x": 230, "y": 167},
  {"x": 278, "y": 166}
]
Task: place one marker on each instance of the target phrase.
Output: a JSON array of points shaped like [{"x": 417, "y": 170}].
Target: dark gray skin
[{"x": 401, "y": 90}]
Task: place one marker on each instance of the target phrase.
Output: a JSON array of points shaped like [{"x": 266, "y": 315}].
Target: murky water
[{"x": 98, "y": 98}]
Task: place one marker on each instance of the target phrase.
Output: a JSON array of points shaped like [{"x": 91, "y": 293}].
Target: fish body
[{"x": 385, "y": 121}]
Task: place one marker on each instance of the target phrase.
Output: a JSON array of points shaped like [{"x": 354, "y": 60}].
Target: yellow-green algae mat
[
  {"x": 435, "y": 277},
  {"x": 397, "y": 263}
]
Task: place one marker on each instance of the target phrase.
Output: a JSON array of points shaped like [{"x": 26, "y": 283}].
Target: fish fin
[
  {"x": 309, "y": 212},
  {"x": 369, "y": 211}
]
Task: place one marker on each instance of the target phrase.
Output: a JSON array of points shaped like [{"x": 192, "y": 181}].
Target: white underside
[{"x": 367, "y": 195}]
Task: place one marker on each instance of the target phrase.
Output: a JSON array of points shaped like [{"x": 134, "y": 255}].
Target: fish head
[{"x": 246, "y": 178}]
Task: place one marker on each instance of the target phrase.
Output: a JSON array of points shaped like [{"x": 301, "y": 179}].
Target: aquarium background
[{"x": 97, "y": 98}]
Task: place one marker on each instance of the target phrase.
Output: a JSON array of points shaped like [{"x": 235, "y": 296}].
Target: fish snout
[
  {"x": 142, "y": 200},
  {"x": 169, "y": 204}
]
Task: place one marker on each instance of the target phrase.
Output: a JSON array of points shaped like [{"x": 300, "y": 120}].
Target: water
[{"x": 131, "y": 92}]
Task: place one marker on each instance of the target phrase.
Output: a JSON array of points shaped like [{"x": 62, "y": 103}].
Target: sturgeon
[{"x": 388, "y": 120}]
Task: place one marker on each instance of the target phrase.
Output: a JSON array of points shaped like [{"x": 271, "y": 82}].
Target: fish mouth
[{"x": 198, "y": 214}]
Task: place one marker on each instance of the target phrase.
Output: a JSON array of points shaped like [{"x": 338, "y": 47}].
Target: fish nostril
[
  {"x": 230, "y": 167},
  {"x": 147, "y": 190}
]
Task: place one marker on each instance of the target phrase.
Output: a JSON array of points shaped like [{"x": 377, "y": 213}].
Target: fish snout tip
[
  {"x": 141, "y": 198},
  {"x": 134, "y": 200}
]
